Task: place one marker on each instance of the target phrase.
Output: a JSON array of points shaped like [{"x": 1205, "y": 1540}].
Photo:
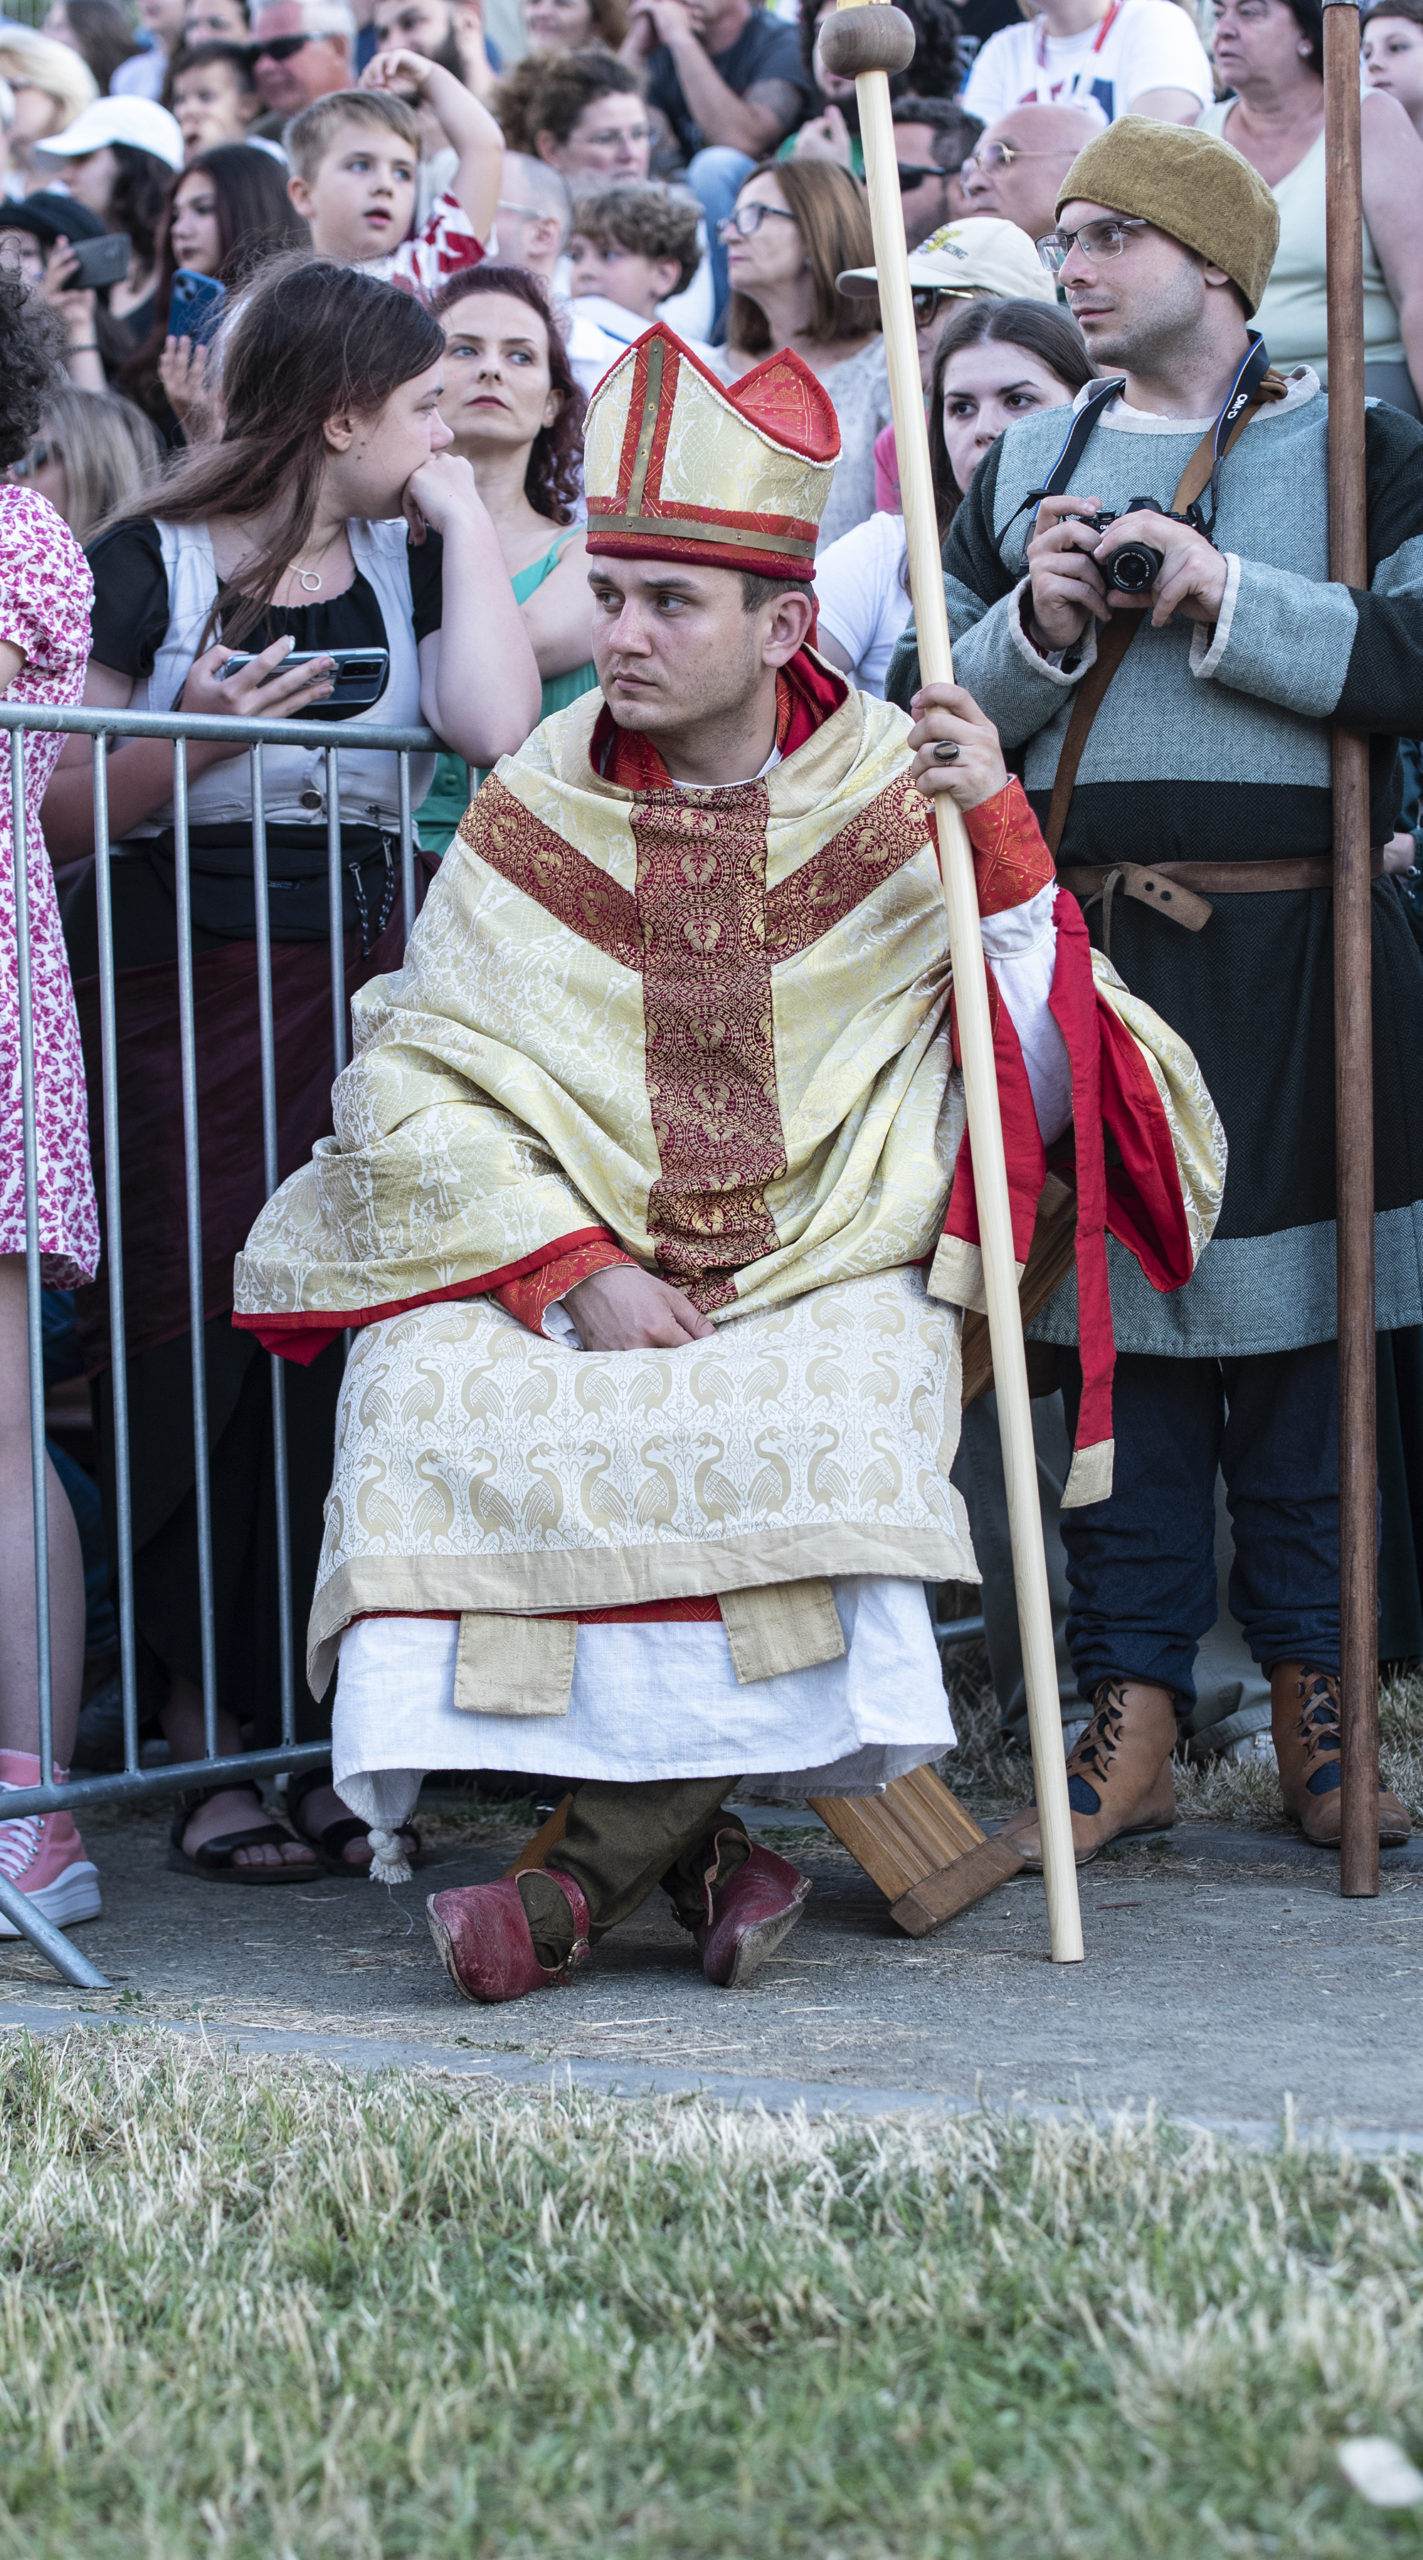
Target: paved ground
[{"x": 1224, "y": 1979}]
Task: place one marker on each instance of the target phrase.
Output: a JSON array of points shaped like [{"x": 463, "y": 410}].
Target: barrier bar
[
  {"x": 65, "y": 1957},
  {"x": 192, "y": 1175},
  {"x": 114, "y": 1248},
  {"x": 407, "y": 844},
  {"x": 266, "y": 1041},
  {"x": 335, "y": 908},
  {"x": 34, "y": 1323}
]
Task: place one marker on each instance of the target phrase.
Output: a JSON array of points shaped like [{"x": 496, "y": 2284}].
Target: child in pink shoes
[{"x": 43, "y": 1855}]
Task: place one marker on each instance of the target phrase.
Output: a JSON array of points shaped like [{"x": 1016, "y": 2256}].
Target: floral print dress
[{"x": 45, "y": 595}]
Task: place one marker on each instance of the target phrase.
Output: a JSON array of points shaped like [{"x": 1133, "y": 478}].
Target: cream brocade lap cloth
[{"x": 483, "y": 1469}]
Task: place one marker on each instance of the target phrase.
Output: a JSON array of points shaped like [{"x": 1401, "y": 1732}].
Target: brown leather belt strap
[
  {"x": 1182, "y": 891},
  {"x": 1115, "y": 637},
  {"x": 1153, "y": 884}
]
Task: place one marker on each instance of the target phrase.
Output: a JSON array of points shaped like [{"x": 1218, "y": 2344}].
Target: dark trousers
[
  {"x": 621, "y": 1841},
  {"x": 1140, "y": 1565}
]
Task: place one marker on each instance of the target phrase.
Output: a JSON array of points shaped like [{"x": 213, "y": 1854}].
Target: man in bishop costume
[{"x": 648, "y": 1207}]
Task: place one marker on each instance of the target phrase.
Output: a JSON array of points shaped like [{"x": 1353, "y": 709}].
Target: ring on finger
[{"x": 946, "y": 753}]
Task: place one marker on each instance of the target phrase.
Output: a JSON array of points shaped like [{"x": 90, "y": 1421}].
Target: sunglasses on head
[{"x": 277, "y": 49}]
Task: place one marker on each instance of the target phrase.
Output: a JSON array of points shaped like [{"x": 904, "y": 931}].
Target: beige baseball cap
[{"x": 978, "y": 255}]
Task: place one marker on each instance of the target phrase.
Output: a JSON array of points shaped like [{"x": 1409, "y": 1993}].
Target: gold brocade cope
[{"x": 711, "y": 1022}]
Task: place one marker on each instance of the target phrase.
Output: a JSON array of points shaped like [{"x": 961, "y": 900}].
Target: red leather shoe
[
  {"x": 482, "y": 1934},
  {"x": 748, "y": 1916}
]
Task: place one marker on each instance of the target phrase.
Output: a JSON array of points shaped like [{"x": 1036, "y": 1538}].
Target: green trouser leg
[{"x": 623, "y": 1840}]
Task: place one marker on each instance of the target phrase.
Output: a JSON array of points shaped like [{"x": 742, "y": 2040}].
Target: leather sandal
[
  {"x": 336, "y": 1836},
  {"x": 1304, "y": 1721},
  {"x": 1118, "y": 1773},
  {"x": 215, "y": 1860}
]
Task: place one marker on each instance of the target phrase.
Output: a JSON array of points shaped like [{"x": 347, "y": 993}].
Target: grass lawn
[{"x": 269, "y": 2310}]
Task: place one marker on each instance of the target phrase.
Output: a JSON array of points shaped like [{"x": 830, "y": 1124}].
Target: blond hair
[
  {"x": 311, "y": 136},
  {"x": 31, "y": 61},
  {"x": 109, "y": 451}
]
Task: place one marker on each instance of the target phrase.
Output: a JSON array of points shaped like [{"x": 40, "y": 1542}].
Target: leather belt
[{"x": 1182, "y": 891}]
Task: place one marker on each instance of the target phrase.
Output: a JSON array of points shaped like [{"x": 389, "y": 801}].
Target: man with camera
[{"x": 1165, "y": 671}]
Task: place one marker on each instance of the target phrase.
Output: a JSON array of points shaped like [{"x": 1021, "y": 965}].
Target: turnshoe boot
[
  {"x": 748, "y": 1916},
  {"x": 1118, "y": 1773},
  {"x": 1304, "y": 1720},
  {"x": 482, "y": 1935}
]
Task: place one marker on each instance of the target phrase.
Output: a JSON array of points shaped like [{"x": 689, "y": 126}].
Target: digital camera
[{"x": 1137, "y": 565}]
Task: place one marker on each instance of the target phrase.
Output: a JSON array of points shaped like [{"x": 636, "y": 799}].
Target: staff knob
[{"x": 872, "y": 37}]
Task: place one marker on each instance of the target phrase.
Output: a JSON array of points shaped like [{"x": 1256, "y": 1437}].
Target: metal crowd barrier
[{"x": 134, "y": 1780}]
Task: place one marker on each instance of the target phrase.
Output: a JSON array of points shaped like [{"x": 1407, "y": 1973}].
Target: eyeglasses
[
  {"x": 43, "y": 451},
  {"x": 1001, "y": 155},
  {"x": 916, "y": 177},
  {"x": 278, "y": 49},
  {"x": 929, "y": 300},
  {"x": 532, "y": 212},
  {"x": 1096, "y": 240},
  {"x": 746, "y": 221}
]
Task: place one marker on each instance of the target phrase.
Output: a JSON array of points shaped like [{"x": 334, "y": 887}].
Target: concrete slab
[{"x": 1224, "y": 1980}]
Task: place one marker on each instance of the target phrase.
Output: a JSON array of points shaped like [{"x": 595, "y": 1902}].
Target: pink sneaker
[{"x": 43, "y": 1855}]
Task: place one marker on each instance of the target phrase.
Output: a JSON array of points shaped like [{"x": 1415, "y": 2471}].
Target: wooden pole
[
  {"x": 869, "y": 38},
  {"x": 1353, "y": 988}
]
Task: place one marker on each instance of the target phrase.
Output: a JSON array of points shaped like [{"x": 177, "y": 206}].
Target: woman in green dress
[{"x": 516, "y": 414}]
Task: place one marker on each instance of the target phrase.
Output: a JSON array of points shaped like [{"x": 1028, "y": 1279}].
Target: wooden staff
[
  {"x": 868, "y": 40},
  {"x": 1353, "y": 983}
]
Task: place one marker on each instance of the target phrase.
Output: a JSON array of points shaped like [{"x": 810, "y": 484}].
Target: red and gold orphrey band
[{"x": 704, "y": 932}]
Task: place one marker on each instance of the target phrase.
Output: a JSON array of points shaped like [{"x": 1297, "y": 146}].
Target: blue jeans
[
  {"x": 716, "y": 178},
  {"x": 1141, "y": 1566}
]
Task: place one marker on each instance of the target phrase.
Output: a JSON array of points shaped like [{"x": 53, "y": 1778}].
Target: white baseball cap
[
  {"x": 981, "y": 254},
  {"x": 140, "y": 122}
]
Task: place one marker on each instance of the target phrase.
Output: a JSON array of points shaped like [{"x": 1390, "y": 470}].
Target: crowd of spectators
[{"x": 301, "y": 307}]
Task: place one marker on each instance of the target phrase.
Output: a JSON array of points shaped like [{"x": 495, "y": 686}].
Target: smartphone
[
  {"x": 101, "y": 262},
  {"x": 358, "y": 677},
  {"x": 196, "y": 307}
]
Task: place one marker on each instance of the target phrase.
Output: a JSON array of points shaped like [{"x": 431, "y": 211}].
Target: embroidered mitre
[{"x": 679, "y": 466}]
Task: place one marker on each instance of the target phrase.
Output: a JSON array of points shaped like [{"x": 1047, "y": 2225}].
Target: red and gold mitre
[{"x": 679, "y": 466}]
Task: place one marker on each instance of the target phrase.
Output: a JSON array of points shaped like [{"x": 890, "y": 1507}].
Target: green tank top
[{"x": 449, "y": 794}]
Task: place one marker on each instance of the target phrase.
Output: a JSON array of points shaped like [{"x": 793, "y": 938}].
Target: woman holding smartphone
[
  {"x": 227, "y": 213},
  {"x": 330, "y": 516}
]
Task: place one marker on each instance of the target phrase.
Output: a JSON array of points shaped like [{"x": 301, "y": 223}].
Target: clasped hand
[
  {"x": 1069, "y": 590},
  {"x": 627, "y": 1309}
]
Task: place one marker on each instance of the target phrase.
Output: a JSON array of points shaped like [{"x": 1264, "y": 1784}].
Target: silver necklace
[{"x": 309, "y": 579}]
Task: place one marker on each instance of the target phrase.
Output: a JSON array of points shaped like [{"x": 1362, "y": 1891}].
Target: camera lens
[{"x": 1134, "y": 568}]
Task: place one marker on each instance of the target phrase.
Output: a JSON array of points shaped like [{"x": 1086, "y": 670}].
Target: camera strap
[{"x": 1253, "y": 385}]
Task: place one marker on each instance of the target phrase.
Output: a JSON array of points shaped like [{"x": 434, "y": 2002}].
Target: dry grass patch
[{"x": 272, "y": 2312}]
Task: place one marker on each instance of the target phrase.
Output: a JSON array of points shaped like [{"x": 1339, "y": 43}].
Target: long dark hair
[
  {"x": 139, "y": 199},
  {"x": 256, "y": 220},
  {"x": 554, "y": 475},
  {"x": 833, "y": 217},
  {"x": 313, "y": 340},
  {"x": 1039, "y": 328},
  {"x": 103, "y": 36}
]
